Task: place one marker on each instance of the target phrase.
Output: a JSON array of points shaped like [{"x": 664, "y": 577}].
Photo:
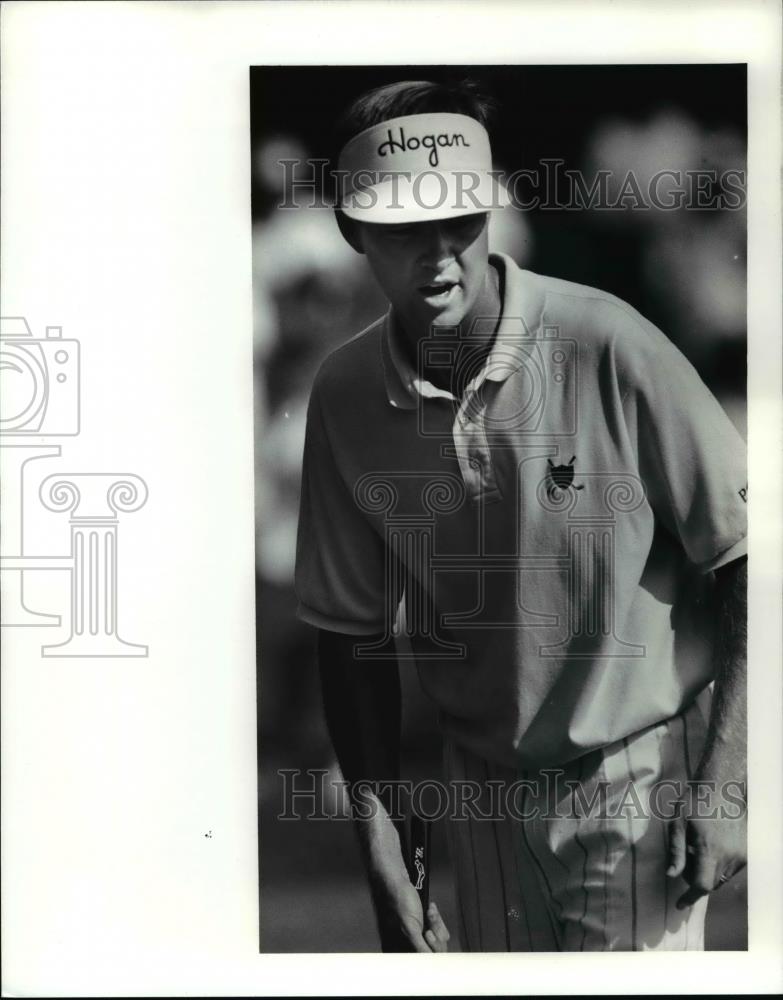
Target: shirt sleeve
[
  {"x": 692, "y": 460},
  {"x": 341, "y": 572}
]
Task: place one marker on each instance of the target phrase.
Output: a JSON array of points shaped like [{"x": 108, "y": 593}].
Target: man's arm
[
  {"x": 705, "y": 849},
  {"x": 362, "y": 705}
]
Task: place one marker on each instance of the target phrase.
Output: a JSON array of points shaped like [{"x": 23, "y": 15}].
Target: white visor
[{"x": 417, "y": 168}]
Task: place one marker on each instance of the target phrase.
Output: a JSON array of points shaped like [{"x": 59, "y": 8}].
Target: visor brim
[{"x": 425, "y": 197}]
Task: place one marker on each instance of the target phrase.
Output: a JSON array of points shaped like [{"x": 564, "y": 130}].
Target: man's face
[{"x": 432, "y": 272}]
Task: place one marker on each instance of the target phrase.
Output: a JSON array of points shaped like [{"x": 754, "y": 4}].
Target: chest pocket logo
[{"x": 561, "y": 478}]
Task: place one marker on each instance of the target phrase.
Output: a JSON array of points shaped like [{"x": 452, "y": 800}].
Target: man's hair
[{"x": 410, "y": 97}]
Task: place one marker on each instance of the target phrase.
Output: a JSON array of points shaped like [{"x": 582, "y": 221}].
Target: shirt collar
[{"x": 520, "y": 319}]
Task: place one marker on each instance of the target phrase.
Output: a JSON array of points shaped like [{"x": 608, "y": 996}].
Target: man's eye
[{"x": 470, "y": 223}]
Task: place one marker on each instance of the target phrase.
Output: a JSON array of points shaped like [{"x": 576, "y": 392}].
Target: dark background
[{"x": 684, "y": 270}]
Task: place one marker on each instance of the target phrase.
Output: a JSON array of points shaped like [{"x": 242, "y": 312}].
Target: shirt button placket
[{"x": 466, "y": 438}]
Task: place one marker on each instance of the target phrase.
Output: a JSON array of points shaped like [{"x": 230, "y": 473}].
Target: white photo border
[{"x": 129, "y": 794}]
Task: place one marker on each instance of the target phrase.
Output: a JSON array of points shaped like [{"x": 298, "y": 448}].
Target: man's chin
[{"x": 447, "y": 317}]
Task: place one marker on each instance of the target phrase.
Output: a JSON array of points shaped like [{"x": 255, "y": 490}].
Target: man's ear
[{"x": 349, "y": 230}]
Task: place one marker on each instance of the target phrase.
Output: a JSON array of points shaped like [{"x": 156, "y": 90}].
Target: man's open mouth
[{"x": 438, "y": 289}]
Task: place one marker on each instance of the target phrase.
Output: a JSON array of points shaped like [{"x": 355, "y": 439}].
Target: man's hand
[
  {"x": 402, "y": 924},
  {"x": 708, "y": 847},
  {"x": 707, "y": 852},
  {"x": 362, "y": 708}
]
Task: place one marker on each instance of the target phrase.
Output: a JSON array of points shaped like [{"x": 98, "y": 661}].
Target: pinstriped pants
[{"x": 572, "y": 878}]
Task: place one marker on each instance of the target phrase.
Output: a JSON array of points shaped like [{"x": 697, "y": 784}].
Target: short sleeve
[
  {"x": 340, "y": 576},
  {"x": 692, "y": 460}
]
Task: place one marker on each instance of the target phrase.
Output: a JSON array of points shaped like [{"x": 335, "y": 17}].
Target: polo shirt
[{"x": 542, "y": 546}]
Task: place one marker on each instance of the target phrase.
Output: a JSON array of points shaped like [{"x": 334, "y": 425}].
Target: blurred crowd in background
[{"x": 683, "y": 269}]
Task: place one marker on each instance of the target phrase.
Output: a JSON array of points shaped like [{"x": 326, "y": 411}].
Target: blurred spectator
[{"x": 691, "y": 262}]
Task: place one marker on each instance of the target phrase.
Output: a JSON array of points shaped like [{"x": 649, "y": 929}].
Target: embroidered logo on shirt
[{"x": 560, "y": 478}]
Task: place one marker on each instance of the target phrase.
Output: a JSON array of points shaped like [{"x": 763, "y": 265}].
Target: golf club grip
[{"x": 420, "y": 857}]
